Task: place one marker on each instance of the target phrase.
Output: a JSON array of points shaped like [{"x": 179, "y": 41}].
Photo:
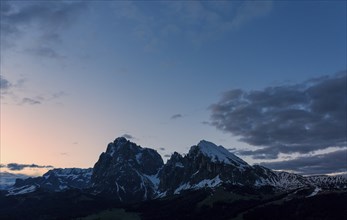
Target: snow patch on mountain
[
  {"x": 210, "y": 183},
  {"x": 154, "y": 179},
  {"x": 21, "y": 190},
  {"x": 179, "y": 164},
  {"x": 316, "y": 190},
  {"x": 288, "y": 180},
  {"x": 327, "y": 181},
  {"x": 184, "y": 186},
  {"x": 69, "y": 173},
  {"x": 219, "y": 154}
]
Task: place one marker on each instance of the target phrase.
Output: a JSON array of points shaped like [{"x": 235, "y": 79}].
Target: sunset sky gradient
[{"x": 77, "y": 74}]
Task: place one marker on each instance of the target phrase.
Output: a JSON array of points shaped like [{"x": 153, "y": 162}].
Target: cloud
[
  {"x": 333, "y": 162},
  {"x": 128, "y": 136},
  {"x": 176, "y": 116},
  {"x": 47, "y": 19},
  {"x": 10, "y": 89},
  {"x": 17, "y": 166},
  {"x": 4, "y": 84},
  {"x": 30, "y": 101},
  {"x": 58, "y": 95},
  {"x": 7, "y": 87},
  {"x": 232, "y": 149},
  {"x": 298, "y": 118}
]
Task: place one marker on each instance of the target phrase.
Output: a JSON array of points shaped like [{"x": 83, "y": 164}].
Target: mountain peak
[
  {"x": 120, "y": 143},
  {"x": 120, "y": 140},
  {"x": 129, "y": 169},
  {"x": 218, "y": 153}
]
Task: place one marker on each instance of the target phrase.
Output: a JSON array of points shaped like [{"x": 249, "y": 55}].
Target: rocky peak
[
  {"x": 122, "y": 146},
  {"x": 206, "y": 164},
  {"x": 174, "y": 159},
  {"x": 127, "y": 171},
  {"x": 120, "y": 140}
]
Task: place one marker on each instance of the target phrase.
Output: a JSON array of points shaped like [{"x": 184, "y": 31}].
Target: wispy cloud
[
  {"x": 4, "y": 84},
  {"x": 30, "y": 101},
  {"x": 13, "y": 91},
  {"x": 176, "y": 116},
  {"x": 47, "y": 19},
  {"x": 328, "y": 163},
  {"x": 18, "y": 167},
  {"x": 232, "y": 149},
  {"x": 7, "y": 88},
  {"x": 128, "y": 136},
  {"x": 299, "y": 118}
]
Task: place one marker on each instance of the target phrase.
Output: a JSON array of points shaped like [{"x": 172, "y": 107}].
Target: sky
[{"x": 264, "y": 79}]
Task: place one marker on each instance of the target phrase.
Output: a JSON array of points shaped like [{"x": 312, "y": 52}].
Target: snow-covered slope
[
  {"x": 322, "y": 181},
  {"x": 209, "y": 183},
  {"x": 22, "y": 190},
  {"x": 219, "y": 154},
  {"x": 290, "y": 181},
  {"x": 8, "y": 179},
  {"x": 54, "y": 180}
]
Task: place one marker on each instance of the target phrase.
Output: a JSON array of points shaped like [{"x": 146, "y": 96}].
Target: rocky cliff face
[
  {"x": 127, "y": 171},
  {"x": 206, "y": 165},
  {"x": 209, "y": 165}
]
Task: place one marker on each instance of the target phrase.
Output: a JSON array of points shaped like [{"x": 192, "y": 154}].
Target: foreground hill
[{"x": 219, "y": 203}]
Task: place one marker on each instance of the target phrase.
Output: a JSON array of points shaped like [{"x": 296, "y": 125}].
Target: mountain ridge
[{"x": 129, "y": 173}]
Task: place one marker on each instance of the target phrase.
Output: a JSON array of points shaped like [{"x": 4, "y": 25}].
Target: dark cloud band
[
  {"x": 18, "y": 167},
  {"x": 334, "y": 162},
  {"x": 288, "y": 119}
]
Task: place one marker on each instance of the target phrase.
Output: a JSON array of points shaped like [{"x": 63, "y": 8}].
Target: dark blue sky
[{"x": 75, "y": 75}]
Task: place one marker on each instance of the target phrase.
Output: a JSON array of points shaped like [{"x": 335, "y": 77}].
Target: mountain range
[
  {"x": 129, "y": 173},
  {"x": 209, "y": 182}
]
